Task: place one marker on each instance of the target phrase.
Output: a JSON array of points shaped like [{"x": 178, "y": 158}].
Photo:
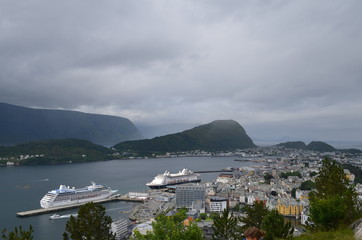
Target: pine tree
[
  {"x": 254, "y": 215},
  {"x": 91, "y": 223},
  {"x": 274, "y": 226},
  {"x": 334, "y": 201},
  {"x": 18, "y": 234},
  {"x": 226, "y": 227}
]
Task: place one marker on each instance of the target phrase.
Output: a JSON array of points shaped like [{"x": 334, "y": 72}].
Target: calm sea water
[{"x": 23, "y": 187}]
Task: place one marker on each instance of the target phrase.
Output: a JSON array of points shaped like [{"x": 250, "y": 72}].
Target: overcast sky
[{"x": 282, "y": 69}]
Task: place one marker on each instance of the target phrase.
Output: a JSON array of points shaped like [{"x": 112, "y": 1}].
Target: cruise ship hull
[
  {"x": 172, "y": 184},
  {"x": 45, "y": 204},
  {"x": 65, "y": 196},
  {"x": 169, "y": 179}
]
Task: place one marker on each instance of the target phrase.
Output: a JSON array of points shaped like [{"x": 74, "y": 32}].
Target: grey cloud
[{"x": 280, "y": 64}]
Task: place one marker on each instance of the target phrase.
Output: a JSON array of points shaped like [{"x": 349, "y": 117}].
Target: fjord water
[{"x": 22, "y": 187}]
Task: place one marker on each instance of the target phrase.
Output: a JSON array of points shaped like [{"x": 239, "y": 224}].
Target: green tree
[
  {"x": 274, "y": 226},
  {"x": 170, "y": 228},
  {"x": 254, "y": 215},
  {"x": 287, "y": 174},
  {"x": 18, "y": 234},
  {"x": 91, "y": 223},
  {"x": 180, "y": 215},
  {"x": 334, "y": 200},
  {"x": 203, "y": 216},
  {"x": 226, "y": 227},
  {"x": 307, "y": 185},
  {"x": 214, "y": 215},
  {"x": 268, "y": 177}
]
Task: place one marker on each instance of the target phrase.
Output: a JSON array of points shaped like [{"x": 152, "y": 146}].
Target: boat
[
  {"x": 64, "y": 195},
  {"x": 54, "y": 216},
  {"x": 57, "y": 216},
  {"x": 167, "y": 179}
]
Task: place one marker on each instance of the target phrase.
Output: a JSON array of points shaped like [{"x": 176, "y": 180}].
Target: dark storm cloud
[{"x": 290, "y": 65}]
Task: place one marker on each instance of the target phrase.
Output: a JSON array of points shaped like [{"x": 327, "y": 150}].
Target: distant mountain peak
[
  {"x": 219, "y": 135},
  {"x": 22, "y": 124},
  {"x": 314, "y": 146},
  {"x": 320, "y": 146}
]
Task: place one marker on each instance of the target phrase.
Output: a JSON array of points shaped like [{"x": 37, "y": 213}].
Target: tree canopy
[
  {"x": 18, "y": 234},
  {"x": 274, "y": 226},
  {"x": 254, "y": 215},
  {"x": 307, "y": 185},
  {"x": 334, "y": 201},
  {"x": 171, "y": 228},
  {"x": 91, "y": 223},
  {"x": 287, "y": 174},
  {"x": 226, "y": 226}
]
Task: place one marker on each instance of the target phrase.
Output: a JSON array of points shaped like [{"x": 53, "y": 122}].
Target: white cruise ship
[
  {"x": 66, "y": 195},
  {"x": 167, "y": 179}
]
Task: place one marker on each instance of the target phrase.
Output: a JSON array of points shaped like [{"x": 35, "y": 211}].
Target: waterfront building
[
  {"x": 218, "y": 204},
  {"x": 225, "y": 177},
  {"x": 193, "y": 214},
  {"x": 187, "y": 194},
  {"x": 198, "y": 206},
  {"x": 145, "y": 227},
  {"x": 140, "y": 195},
  {"x": 302, "y": 194},
  {"x": 289, "y": 207},
  {"x": 119, "y": 227}
]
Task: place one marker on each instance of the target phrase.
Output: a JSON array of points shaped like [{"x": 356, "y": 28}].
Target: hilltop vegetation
[
  {"x": 314, "y": 145},
  {"x": 296, "y": 145},
  {"x": 55, "y": 151},
  {"x": 317, "y": 146},
  {"x": 221, "y": 135},
  {"x": 21, "y": 125},
  {"x": 320, "y": 147}
]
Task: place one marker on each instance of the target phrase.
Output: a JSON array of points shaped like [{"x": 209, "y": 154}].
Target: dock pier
[
  {"x": 61, "y": 208},
  {"x": 211, "y": 171}
]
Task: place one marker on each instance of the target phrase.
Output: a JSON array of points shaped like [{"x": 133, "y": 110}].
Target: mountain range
[
  {"x": 21, "y": 124},
  {"x": 55, "y": 128},
  {"x": 316, "y": 146},
  {"x": 56, "y": 151},
  {"x": 220, "y": 135}
]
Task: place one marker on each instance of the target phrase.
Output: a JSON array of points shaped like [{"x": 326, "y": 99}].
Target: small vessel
[
  {"x": 57, "y": 216},
  {"x": 67, "y": 196},
  {"x": 167, "y": 179},
  {"x": 54, "y": 216}
]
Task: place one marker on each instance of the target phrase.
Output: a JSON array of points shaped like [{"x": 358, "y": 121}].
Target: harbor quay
[{"x": 41, "y": 211}]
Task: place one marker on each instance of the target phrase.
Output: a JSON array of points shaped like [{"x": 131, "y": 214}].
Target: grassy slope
[{"x": 343, "y": 234}]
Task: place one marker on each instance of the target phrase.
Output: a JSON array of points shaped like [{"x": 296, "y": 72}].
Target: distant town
[{"x": 279, "y": 177}]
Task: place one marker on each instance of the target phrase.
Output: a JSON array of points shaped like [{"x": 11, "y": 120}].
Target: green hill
[
  {"x": 54, "y": 151},
  {"x": 313, "y": 146},
  {"x": 221, "y": 135},
  {"x": 296, "y": 145},
  {"x": 21, "y": 125},
  {"x": 320, "y": 147}
]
